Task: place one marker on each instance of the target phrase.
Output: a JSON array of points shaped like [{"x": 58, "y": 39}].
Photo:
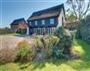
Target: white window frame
[
  {"x": 52, "y": 21},
  {"x": 43, "y": 22},
  {"x": 36, "y": 23}
]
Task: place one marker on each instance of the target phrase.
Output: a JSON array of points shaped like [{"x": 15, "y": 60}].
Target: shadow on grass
[
  {"x": 41, "y": 64},
  {"x": 84, "y": 63}
]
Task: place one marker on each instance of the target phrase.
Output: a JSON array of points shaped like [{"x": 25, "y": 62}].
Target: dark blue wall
[{"x": 47, "y": 22}]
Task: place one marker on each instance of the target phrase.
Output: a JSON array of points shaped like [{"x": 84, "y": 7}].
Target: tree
[
  {"x": 71, "y": 17},
  {"x": 80, "y": 8}
]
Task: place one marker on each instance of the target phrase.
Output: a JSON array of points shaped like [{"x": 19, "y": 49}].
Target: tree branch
[
  {"x": 88, "y": 6},
  {"x": 74, "y": 8}
]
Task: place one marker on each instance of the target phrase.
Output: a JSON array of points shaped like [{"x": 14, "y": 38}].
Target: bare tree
[{"x": 80, "y": 8}]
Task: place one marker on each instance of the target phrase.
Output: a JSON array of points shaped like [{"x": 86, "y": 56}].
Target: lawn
[{"x": 82, "y": 64}]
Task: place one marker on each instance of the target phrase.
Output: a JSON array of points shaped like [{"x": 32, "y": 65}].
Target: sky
[{"x": 15, "y": 9}]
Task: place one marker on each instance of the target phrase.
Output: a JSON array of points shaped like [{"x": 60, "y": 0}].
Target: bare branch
[
  {"x": 88, "y": 6},
  {"x": 73, "y": 7},
  {"x": 79, "y": 7}
]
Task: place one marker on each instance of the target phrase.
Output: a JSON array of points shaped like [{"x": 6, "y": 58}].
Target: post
[{"x": 27, "y": 31}]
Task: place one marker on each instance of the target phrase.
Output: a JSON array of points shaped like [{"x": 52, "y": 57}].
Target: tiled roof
[
  {"x": 15, "y": 22},
  {"x": 50, "y": 12}
]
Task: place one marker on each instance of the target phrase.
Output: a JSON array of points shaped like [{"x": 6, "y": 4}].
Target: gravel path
[{"x": 9, "y": 41}]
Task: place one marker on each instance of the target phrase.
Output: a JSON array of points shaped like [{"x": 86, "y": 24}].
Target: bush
[
  {"x": 57, "y": 46},
  {"x": 38, "y": 43},
  {"x": 49, "y": 42},
  {"x": 84, "y": 30},
  {"x": 25, "y": 52},
  {"x": 21, "y": 31},
  {"x": 44, "y": 46},
  {"x": 5, "y": 31},
  {"x": 64, "y": 46},
  {"x": 7, "y": 55}
]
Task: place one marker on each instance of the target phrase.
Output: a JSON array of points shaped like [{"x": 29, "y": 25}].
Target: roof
[
  {"x": 15, "y": 22},
  {"x": 50, "y": 12}
]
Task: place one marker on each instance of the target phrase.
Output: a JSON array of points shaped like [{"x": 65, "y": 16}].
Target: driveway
[{"x": 9, "y": 41}]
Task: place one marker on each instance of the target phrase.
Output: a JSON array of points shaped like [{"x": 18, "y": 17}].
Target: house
[
  {"x": 46, "y": 21},
  {"x": 19, "y": 25}
]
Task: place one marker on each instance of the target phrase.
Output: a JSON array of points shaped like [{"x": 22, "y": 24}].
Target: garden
[{"x": 62, "y": 51}]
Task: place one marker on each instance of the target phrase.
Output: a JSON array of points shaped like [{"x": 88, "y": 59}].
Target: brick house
[{"x": 19, "y": 25}]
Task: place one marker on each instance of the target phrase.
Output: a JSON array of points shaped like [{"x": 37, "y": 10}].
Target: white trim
[{"x": 27, "y": 31}]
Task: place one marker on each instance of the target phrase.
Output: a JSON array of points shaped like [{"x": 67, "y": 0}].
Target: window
[
  {"x": 43, "y": 22},
  {"x": 51, "y": 21},
  {"x": 35, "y": 22},
  {"x": 30, "y": 22}
]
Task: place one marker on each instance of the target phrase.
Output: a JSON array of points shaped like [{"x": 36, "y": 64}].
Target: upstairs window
[
  {"x": 51, "y": 21},
  {"x": 36, "y": 23},
  {"x": 30, "y": 23},
  {"x": 43, "y": 22}
]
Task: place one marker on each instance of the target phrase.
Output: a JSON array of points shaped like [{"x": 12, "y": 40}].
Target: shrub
[
  {"x": 64, "y": 46},
  {"x": 5, "y": 31},
  {"x": 44, "y": 46},
  {"x": 7, "y": 55},
  {"x": 84, "y": 29},
  {"x": 21, "y": 31},
  {"x": 25, "y": 51},
  {"x": 49, "y": 42},
  {"x": 54, "y": 40},
  {"x": 38, "y": 43}
]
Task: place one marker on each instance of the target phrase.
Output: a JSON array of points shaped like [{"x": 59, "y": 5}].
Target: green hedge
[{"x": 84, "y": 30}]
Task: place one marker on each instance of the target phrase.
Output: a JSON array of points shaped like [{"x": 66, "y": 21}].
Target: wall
[
  {"x": 22, "y": 25},
  {"x": 47, "y": 22},
  {"x": 60, "y": 22}
]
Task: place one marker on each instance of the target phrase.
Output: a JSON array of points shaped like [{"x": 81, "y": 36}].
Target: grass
[{"x": 82, "y": 64}]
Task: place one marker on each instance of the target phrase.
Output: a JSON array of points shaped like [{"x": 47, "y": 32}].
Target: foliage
[
  {"x": 5, "y": 31},
  {"x": 83, "y": 64},
  {"x": 71, "y": 17},
  {"x": 44, "y": 46},
  {"x": 21, "y": 31},
  {"x": 49, "y": 42},
  {"x": 80, "y": 8},
  {"x": 72, "y": 22},
  {"x": 25, "y": 51},
  {"x": 38, "y": 43},
  {"x": 65, "y": 43},
  {"x": 7, "y": 55},
  {"x": 84, "y": 29}
]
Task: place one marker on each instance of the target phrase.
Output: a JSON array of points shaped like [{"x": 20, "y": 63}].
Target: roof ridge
[{"x": 50, "y": 8}]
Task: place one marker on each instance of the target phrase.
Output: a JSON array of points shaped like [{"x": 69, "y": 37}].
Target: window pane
[
  {"x": 51, "y": 21},
  {"x": 29, "y": 23},
  {"x": 43, "y": 22},
  {"x": 35, "y": 22}
]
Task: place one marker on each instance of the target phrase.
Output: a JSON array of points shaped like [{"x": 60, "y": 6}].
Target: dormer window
[
  {"x": 52, "y": 21},
  {"x": 43, "y": 22},
  {"x": 35, "y": 22}
]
